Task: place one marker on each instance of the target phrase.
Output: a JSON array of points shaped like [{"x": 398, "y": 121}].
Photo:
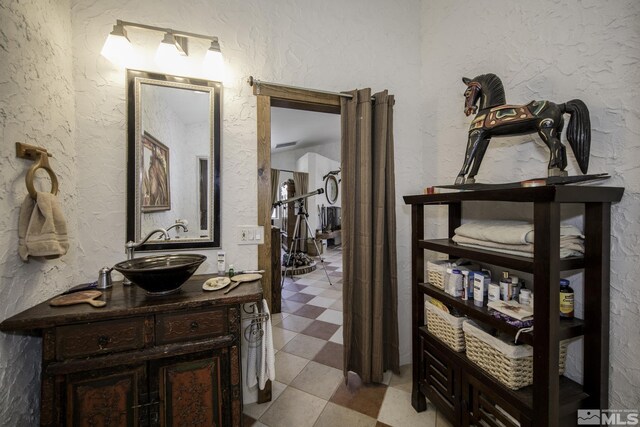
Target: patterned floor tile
[
  {"x": 366, "y": 400},
  {"x": 336, "y": 415},
  {"x": 300, "y": 297},
  {"x": 312, "y": 290},
  {"x": 295, "y": 323},
  {"x": 396, "y": 410},
  {"x": 304, "y": 346},
  {"x": 331, "y": 355},
  {"x": 337, "y": 336},
  {"x": 320, "y": 329},
  {"x": 404, "y": 380},
  {"x": 255, "y": 410},
  {"x": 318, "y": 379},
  {"x": 322, "y": 301},
  {"x": 294, "y": 408},
  {"x": 288, "y": 366},
  {"x": 290, "y": 306},
  {"x": 310, "y": 311},
  {"x": 331, "y": 316},
  {"x": 281, "y": 337}
]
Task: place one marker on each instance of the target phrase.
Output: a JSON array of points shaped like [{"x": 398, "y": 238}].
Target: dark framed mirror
[
  {"x": 173, "y": 160},
  {"x": 331, "y": 189}
]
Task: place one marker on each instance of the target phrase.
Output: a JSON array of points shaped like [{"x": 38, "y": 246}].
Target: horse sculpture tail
[{"x": 579, "y": 132}]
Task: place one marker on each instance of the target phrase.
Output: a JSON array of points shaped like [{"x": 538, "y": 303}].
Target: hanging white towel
[
  {"x": 42, "y": 228},
  {"x": 267, "y": 367},
  {"x": 252, "y": 362}
]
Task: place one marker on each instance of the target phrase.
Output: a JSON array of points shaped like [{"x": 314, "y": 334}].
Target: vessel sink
[{"x": 160, "y": 274}]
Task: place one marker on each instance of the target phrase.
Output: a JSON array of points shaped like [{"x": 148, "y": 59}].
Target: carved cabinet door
[
  {"x": 109, "y": 398},
  {"x": 192, "y": 389}
]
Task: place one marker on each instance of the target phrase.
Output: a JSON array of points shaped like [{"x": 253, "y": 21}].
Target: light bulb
[
  {"x": 168, "y": 55},
  {"x": 117, "y": 48},
  {"x": 213, "y": 63}
]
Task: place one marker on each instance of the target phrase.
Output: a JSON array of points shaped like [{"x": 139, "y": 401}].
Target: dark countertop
[{"x": 127, "y": 301}]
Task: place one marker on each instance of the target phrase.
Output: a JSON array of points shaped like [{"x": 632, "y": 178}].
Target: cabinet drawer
[
  {"x": 99, "y": 338},
  {"x": 486, "y": 408},
  {"x": 441, "y": 377},
  {"x": 191, "y": 325}
]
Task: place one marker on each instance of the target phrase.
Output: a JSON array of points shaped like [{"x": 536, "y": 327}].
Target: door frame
[{"x": 273, "y": 95}]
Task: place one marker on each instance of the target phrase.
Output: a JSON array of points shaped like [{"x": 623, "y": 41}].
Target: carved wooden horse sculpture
[{"x": 544, "y": 117}]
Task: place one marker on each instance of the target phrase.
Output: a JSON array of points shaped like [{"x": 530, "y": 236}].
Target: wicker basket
[
  {"x": 435, "y": 272},
  {"x": 445, "y": 326},
  {"x": 510, "y": 364}
]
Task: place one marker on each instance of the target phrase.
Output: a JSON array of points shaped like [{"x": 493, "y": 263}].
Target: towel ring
[{"x": 41, "y": 163}]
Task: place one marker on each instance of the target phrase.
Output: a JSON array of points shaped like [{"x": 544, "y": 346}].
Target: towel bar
[{"x": 41, "y": 158}]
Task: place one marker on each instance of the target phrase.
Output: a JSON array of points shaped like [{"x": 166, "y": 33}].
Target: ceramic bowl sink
[{"x": 160, "y": 274}]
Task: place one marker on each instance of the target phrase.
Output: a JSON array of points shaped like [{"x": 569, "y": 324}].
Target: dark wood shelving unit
[
  {"x": 514, "y": 262},
  {"x": 462, "y": 391},
  {"x": 569, "y": 328}
]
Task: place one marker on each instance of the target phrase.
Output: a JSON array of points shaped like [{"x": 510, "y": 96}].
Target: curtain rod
[
  {"x": 256, "y": 82},
  {"x": 284, "y": 170}
]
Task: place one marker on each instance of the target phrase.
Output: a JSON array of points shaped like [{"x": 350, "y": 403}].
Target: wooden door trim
[{"x": 267, "y": 96}]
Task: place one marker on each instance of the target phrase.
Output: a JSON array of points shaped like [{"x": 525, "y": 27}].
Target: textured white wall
[
  {"x": 555, "y": 50},
  {"x": 36, "y": 107},
  {"x": 330, "y": 45}
]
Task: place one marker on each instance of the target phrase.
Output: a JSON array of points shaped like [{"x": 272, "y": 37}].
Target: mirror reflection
[{"x": 174, "y": 147}]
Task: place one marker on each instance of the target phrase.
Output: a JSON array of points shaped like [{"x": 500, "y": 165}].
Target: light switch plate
[{"x": 250, "y": 235}]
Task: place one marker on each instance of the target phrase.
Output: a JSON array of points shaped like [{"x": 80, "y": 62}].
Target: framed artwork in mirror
[
  {"x": 173, "y": 160},
  {"x": 331, "y": 189},
  {"x": 156, "y": 189}
]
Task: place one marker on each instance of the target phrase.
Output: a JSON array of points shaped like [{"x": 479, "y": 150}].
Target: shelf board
[
  {"x": 549, "y": 193},
  {"x": 569, "y": 328},
  {"x": 571, "y": 393},
  {"x": 519, "y": 263}
]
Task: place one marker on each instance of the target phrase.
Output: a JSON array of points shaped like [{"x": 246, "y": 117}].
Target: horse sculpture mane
[
  {"x": 495, "y": 118},
  {"x": 492, "y": 85}
]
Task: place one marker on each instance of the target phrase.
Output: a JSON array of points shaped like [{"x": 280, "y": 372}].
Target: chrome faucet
[
  {"x": 180, "y": 223},
  {"x": 131, "y": 246}
]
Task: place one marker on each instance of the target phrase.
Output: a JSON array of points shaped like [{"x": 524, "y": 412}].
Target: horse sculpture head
[
  {"x": 486, "y": 89},
  {"x": 471, "y": 96}
]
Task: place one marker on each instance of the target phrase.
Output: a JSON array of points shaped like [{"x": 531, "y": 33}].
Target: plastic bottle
[{"x": 566, "y": 299}]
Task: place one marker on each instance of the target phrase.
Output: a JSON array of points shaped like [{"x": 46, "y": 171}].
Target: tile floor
[{"x": 309, "y": 389}]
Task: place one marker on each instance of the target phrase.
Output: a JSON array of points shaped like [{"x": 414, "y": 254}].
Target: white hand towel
[
  {"x": 267, "y": 368},
  {"x": 42, "y": 228},
  {"x": 252, "y": 362}
]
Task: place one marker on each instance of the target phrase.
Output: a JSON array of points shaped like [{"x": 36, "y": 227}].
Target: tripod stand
[{"x": 301, "y": 217}]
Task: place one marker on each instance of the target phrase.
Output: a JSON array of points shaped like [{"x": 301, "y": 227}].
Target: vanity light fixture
[
  {"x": 118, "y": 49},
  {"x": 213, "y": 57}
]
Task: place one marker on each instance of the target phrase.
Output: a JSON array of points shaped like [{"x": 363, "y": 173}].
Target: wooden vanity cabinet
[{"x": 142, "y": 361}]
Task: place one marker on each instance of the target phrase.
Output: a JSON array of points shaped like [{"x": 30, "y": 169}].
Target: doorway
[{"x": 270, "y": 95}]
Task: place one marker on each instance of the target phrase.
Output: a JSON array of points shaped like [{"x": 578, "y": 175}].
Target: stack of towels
[{"x": 515, "y": 237}]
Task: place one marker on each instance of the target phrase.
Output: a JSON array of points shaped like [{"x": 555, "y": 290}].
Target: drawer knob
[
  {"x": 194, "y": 325},
  {"x": 103, "y": 340}
]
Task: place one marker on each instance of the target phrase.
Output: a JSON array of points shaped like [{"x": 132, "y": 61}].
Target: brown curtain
[
  {"x": 275, "y": 185},
  {"x": 370, "y": 290},
  {"x": 301, "y": 184}
]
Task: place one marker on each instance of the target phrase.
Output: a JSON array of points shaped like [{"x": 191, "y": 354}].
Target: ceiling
[{"x": 306, "y": 128}]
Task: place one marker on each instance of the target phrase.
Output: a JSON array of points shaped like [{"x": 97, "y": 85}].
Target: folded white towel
[
  {"x": 508, "y": 231},
  {"x": 267, "y": 367},
  {"x": 42, "y": 228},
  {"x": 574, "y": 244},
  {"x": 564, "y": 253}
]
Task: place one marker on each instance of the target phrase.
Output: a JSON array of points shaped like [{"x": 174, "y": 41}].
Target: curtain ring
[{"x": 42, "y": 163}]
